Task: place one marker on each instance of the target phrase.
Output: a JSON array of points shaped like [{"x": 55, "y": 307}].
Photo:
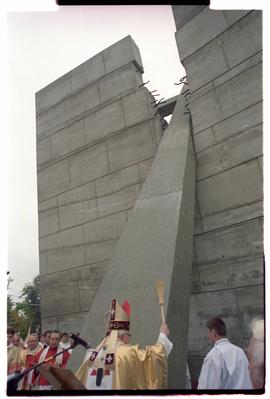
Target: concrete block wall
[
  {"x": 97, "y": 134},
  {"x": 155, "y": 244},
  {"x": 222, "y": 55}
]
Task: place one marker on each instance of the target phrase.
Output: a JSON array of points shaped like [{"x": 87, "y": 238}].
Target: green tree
[
  {"x": 30, "y": 305},
  {"x": 26, "y": 312},
  {"x": 15, "y": 319},
  {"x": 10, "y": 305}
]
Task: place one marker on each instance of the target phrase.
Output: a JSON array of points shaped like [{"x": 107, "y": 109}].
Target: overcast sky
[{"x": 42, "y": 46}]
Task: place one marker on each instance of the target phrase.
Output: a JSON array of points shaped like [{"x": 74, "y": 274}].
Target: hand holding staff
[{"x": 160, "y": 291}]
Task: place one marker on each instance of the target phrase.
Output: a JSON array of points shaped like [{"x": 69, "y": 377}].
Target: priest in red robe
[{"x": 40, "y": 383}]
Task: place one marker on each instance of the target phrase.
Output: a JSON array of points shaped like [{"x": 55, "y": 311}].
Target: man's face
[
  {"x": 32, "y": 342},
  {"x": 65, "y": 338},
  {"x": 211, "y": 335},
  {"x": 54, "y": 340},
  {"x": 16, "y": 340},
  {"x": 9, "y": 338},
  {"x": 47, "y": 338},
  {"x": 125, "y": 338}
]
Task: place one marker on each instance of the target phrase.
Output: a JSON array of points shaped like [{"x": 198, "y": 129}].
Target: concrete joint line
[
  {"x": 228, "y": 117},
  {"x": 226, "y": 289},
  {"x": 117, "y": 191},
  {"x": 45, "y": 165},
  {"x": 65, "y": 314},
  {"x": 216, "y": 37},
  {"x": 225, "y": 170},
  {"x": 235, "y": 258},
  {"x": 78, "y": 267},
  {"x": 193, "y": 16},
  {"x": 81, "y": 224},
  {"x": 85, "y": 243},
  {"x": 84, "y": 114},
  {"x": 82, "y": 87},
  {"x": 93, "y": 181},
  {"x": 221, "y": 84},
  {"x": 227, "y": 227},
  {"x": 63, "y": 125},
  {"x": 229, "y": 209},
  {"x": 238, "y": 133}
]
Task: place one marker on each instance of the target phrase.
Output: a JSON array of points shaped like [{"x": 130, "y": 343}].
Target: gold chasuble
[
  {"x": 137, "y": 368},
  {"x": 134, "y": 368},
  {"x": 115, "y": 364},
  {"x": 14, "y": 359}
]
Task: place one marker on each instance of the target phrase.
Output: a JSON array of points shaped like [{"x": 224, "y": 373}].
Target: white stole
[{"x": 58, "y": 359}]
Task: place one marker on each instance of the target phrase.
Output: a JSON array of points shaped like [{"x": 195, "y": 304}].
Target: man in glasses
[{"x": 33, "y": 347}]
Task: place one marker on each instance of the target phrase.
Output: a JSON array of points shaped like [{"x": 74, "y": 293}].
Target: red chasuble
[{"x": 39, "y": 379}]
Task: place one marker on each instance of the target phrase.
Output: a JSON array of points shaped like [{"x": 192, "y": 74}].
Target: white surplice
[{"x": 225, "y": 367}]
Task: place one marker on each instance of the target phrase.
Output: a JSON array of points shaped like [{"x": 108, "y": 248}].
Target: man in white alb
[
  {"x": 65, "y": 343},
  {"x": 226, "y": 365}
]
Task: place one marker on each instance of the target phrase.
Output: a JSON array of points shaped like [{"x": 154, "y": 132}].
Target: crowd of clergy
[
  {"x": 112, "y": 363},
  {"x": 24, "y": 354}
]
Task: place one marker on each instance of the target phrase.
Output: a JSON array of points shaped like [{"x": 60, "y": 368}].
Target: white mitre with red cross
[{"x": 118, "y": 322}]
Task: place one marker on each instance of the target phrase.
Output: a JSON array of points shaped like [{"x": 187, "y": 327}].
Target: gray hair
[
  {"x": 257, "y": 328},
  {"x": 33, "y": 335}
]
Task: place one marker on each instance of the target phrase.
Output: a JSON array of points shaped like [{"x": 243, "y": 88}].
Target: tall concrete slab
[
  {"x": 156, "y": 243},
  {"x": 97, "y": 135},
  {"x": 222, "y": 55}
]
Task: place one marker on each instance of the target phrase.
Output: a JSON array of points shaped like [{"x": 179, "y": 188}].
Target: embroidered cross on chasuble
[{"x": 116, "y": 365}]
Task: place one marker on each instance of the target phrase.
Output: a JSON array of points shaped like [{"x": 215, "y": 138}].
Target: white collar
[
  {"x": 33, "y": 351},
  {"x": 220, "y": 341}
]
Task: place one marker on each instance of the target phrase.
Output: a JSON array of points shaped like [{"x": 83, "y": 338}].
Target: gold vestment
[
  {"x": 135, "y": 368},
  {"x": 14, "y": 359}
]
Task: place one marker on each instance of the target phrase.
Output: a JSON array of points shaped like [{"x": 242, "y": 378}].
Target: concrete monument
[{"x": 123, "y": 202}]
